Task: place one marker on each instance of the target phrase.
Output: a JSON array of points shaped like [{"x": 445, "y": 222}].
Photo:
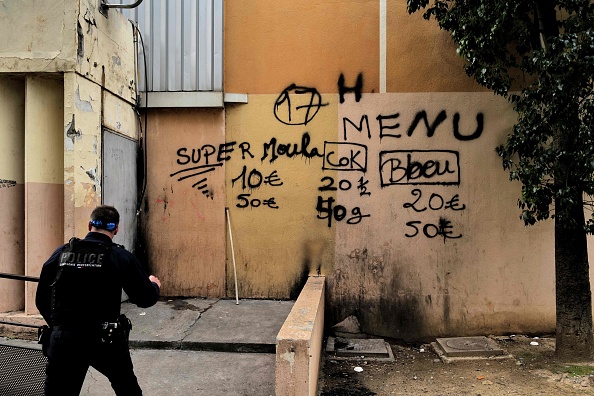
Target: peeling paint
[
  {"x": 80, "y": 50},
  {"x": 289, "y": 357},
  {"x": 88, "y": 17},
  {"x": 82, "y": 105},
  {"x": 71, "y": 134},
  {"x": 92, "y": 173}
]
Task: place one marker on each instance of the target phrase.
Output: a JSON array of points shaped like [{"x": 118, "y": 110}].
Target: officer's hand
[{"x": 153, "y": 278}]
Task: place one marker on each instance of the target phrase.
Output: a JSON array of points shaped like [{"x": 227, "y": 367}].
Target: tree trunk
[
  {"x": 573, "y": 296},
  {"x": 572, "y": 274}
]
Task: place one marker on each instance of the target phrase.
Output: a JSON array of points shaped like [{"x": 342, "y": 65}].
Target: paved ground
[{"x": 200, "y": 347}]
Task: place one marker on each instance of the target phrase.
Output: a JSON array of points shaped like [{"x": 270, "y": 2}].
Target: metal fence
[
  {"x": 22, "y": 371},
  {"x": 22, "y": 368}
]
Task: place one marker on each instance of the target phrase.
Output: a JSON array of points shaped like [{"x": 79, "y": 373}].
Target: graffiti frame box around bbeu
[{"x": 414, "y": 167}]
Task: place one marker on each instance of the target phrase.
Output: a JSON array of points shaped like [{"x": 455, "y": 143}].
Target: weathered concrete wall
[
  {"x": 45, "y": 36},
  {"x": 105, "y": 50},
  {"x": 76, "y": 72},
  {"x": 82, "y": 152},
  {"x": 442, "y": 251},
  {"x": 38, "y": 35}
]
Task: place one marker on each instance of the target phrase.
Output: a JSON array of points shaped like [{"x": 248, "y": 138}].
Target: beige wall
[
  {"x": 420, "y": 56},
  {"x": 272, "y": 196},
  {"x": 44, "y": 175},
  {"x": 38, "y": 36},
  {"x": 443, "y": 251},
  {"x": 184, "y": 206},
  {"x": 12, "y": 191},
  {"x": 46, "y": 36}
]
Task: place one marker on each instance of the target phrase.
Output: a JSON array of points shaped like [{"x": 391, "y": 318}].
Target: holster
[
  {"x": 43, "y": 338},
  {"x": 116, "y": 332}
]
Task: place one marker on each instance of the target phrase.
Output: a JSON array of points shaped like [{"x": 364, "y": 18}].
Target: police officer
[{"x": 79, "y": 295}]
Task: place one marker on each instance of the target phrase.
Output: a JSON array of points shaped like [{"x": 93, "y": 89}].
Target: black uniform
[{"x": 79, "y": 290}]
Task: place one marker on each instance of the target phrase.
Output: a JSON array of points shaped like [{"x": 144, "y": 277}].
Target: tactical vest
[{"x": 87, "y": 289}]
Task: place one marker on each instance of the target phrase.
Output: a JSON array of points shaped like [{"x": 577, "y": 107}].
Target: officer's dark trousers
[{"x": 71, "y": 353}]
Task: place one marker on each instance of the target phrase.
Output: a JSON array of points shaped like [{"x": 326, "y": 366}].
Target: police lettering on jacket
[{"x": 81, "y": 260}]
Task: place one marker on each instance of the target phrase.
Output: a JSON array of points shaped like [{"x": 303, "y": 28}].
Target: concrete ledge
[
  {"x": 19, "y": 332},
  {"x": 299, "y": 343}
]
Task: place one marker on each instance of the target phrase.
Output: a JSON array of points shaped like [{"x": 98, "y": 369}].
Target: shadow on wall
[
  {"x": 393, "y": 314},
  {"x": 301, "y": 279}
]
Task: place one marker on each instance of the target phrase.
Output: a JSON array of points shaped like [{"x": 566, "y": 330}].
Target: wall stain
[
  {"x": 82, "y": 105},
  {"x": 80, "y": 50},
  {"x": 300, "y": 280},
  {"x": 71, "y": 131},
  {"x": 385, "y": 305}
]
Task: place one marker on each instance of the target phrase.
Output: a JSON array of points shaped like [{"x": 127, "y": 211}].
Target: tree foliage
[{"x": 540, "y": 55}]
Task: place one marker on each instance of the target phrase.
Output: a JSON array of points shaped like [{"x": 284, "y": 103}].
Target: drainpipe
[{"x": 104, "y": 7}]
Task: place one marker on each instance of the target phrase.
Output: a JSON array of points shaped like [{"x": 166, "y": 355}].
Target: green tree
[{"x": 540, "y": 55}]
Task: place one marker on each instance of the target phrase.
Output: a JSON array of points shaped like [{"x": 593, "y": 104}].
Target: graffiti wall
[
  {"x": 399, "y": 199},
  {"x": 272, "y": 186},
  {"x": 442, "y": 250},
  {"x": 375, "y": 169}
]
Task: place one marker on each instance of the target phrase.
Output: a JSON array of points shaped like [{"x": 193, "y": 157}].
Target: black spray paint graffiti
[
  {"x": 255, "y": 180},
  {"x": 400, "y": 167},
  {"x": 290, "y": 150},
  {"x": 419, "y": 167},
  {"x": 212, "y": 159},
  {"x": 339, "y": 156},
  {"x": 297, "y": 105},
  {"x": 386, "y": 123},
  {"x": 353, "y": 157},
  {"x": 436, "y": 202},
  {"x": 443, "y": 228},
  {"x": 7, "y": 183},
  {"x": 342, "y": 156},
  {"x": 357, "y": 89},
  {"x": 326, "y": 208}
]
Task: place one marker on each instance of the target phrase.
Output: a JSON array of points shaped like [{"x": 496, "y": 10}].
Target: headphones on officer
[{"x": 100, "y": 224}]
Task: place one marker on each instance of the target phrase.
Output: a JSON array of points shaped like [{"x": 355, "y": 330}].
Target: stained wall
[
  {"x": 419, "y": 222},
  {"x": 364, "y": 153},
  {"x": 184, "y": 205}
]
